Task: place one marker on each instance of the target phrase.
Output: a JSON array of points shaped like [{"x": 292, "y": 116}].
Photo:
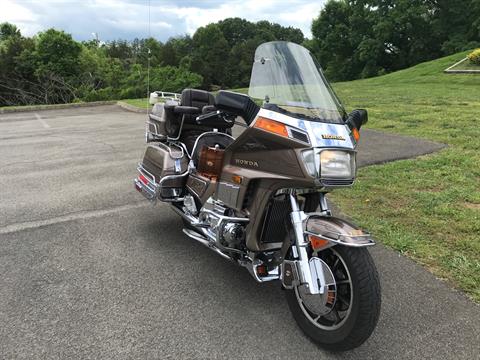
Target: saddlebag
[{"x": 163, "y": 172}]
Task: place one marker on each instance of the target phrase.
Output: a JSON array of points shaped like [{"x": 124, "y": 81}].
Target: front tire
[{"x": 357, "y": 308}]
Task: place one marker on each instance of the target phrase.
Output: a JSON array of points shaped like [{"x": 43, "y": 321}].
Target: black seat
[{"x": 192, "y": 103}]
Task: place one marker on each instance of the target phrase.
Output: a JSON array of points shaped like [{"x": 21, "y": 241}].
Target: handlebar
[{"x": 215, "y": 119}]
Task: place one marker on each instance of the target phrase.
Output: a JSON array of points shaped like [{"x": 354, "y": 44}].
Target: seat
[{"x": 192, "y": 103}]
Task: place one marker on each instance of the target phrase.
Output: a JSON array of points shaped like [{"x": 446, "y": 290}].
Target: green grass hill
[{"x": 427, "y": 208}]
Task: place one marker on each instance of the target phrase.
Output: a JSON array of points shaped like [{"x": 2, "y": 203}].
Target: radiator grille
[{"x": 275, "y": 226}]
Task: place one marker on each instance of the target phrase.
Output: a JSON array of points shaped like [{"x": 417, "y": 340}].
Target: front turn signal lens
[
  {"x": 271, "y": 126},
  {"x": 356, "y": 134},
  {"x": 316, "y": 242}
]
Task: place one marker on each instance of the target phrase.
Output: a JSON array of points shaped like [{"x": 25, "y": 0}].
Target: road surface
[{"x": 88, "y": 269}]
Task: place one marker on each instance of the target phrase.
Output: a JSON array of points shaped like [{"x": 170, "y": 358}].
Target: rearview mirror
[{"x": 357, "y": 118}]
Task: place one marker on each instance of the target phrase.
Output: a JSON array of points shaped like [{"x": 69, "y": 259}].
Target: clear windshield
[{"x": 288, "y": 79}]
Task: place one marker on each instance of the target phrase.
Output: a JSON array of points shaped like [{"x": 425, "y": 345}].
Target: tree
[
  {"x": 210, "y": 49},
  {"x": 8, "y": 30},
  {"x": 333, "y": 42},
  {"x": 56, "y": 52},
  {"x": 458, "y": 24},
  {"x": 237, "y": 30},
  {"x": 363, "y": 38}
]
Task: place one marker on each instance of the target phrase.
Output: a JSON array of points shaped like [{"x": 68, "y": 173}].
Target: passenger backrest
[
  {"x": 172, "y": 120},
  {"x": 196, "y": 98}
]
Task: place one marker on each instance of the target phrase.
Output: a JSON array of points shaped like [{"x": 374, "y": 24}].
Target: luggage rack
[
  {"x": 164, "y": 95},
  {"x": 147, "y": 184},
  {"x": 156, "y": 134}
]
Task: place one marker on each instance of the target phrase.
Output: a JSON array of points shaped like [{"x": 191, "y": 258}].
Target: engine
[
  {"x": 221, "y": 227},
  {"x": 233, "y": 235}
]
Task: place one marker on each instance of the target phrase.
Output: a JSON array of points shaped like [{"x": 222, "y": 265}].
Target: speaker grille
[{"x": 298, "y": 135}]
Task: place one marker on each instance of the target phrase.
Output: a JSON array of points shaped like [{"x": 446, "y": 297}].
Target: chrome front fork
[{"x": 305, "y": 269}]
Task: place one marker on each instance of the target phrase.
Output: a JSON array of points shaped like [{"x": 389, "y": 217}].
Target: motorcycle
[{"x": 259, "y": 199}]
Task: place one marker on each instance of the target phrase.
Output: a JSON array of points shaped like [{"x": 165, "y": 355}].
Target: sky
[{"x": 128, "y": 19}]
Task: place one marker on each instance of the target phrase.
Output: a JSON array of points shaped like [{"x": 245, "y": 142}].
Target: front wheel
[{"x": 348, "y": 315}]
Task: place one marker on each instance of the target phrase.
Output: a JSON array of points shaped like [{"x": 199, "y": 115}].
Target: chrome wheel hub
[
  {"x": 323, "y": 302},
  {"x": 330, "y": 309}
]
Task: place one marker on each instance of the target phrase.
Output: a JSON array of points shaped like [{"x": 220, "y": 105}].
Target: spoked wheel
[{"x": 346, "y": 315}]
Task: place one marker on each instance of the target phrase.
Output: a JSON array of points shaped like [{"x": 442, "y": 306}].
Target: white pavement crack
[
  {"x": 43, "y": 122},
  {"x": 80, "y": 215}
]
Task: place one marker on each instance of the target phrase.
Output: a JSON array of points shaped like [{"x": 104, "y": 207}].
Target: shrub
[{"x": 474, "y": 57}]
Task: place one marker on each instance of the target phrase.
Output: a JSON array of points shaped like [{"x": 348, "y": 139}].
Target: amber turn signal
[
  {"x": 356, "y": 134},
  {"x": 317, "y": 243},
  {"x": 271, "y": 126},
  {"x": 237, "y": 179}
]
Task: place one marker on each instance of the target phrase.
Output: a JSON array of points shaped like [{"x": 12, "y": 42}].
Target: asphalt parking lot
[{"x": 88, "y": 269}]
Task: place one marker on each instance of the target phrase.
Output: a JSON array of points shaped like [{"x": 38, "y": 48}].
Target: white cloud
[
  {"x": 17, "y": 13},
  {"x": 113, "y": 19}
]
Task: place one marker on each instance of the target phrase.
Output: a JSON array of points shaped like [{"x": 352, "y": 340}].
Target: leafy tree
[
  {"x": 8, "y": 30},
  {"x": 166, "y": 78},
  {"x": 56, "y": 52},
  {"x": 119, "y": 49},
  {"x": 237, "y": 30},
  {"x": 175, "y": 49},
  {"x": 362, "y": 38},
  {"x": 334, "y": 43},
  {"x": 458, "y": 24},
  {"x": 208, "y": 58}
]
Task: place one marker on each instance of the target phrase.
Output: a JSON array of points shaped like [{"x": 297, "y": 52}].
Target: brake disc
[{"x": 320, "y": 304}]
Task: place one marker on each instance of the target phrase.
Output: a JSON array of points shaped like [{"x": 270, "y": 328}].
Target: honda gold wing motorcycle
[{"x": 259, "y": 199}]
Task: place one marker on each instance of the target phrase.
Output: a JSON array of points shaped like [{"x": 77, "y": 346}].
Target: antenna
[{"x": 148, "y": 56}]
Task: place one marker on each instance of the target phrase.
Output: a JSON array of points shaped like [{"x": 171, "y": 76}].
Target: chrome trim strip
[{"x": 367, "y": 236}]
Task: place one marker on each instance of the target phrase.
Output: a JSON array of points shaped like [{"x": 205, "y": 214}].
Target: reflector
[{"x": 143, "y": 179}]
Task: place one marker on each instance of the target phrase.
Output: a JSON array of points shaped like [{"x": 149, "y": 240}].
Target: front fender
[{"x": 337, "y": 231}]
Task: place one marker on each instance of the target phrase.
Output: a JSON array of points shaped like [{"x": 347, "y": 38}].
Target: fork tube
[{"x": 298, "y": 216}]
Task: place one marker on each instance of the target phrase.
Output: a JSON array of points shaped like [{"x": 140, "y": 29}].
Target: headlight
[
  {"x": 330, "y": 164},
  {"x": 337, "y": 164}
]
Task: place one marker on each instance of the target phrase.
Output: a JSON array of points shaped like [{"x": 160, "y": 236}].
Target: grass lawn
[
  {"x": 140, "y": 103},
  {"x": 427, "y": 208}
]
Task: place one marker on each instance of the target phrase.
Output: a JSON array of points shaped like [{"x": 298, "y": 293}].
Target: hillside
[{"x": 427, "y": 208}]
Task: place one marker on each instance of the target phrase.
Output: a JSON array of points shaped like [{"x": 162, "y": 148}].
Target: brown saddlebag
[{"x": 163, "y": 171}]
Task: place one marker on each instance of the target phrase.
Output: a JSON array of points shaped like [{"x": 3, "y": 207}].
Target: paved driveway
[{"x": 90, "y": 270}]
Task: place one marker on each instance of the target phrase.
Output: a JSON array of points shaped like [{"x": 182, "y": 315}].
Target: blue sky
[{"x": 127, "y": 19}]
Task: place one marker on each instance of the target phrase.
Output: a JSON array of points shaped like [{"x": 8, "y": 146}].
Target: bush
[{"x": 474, "y": 57}]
